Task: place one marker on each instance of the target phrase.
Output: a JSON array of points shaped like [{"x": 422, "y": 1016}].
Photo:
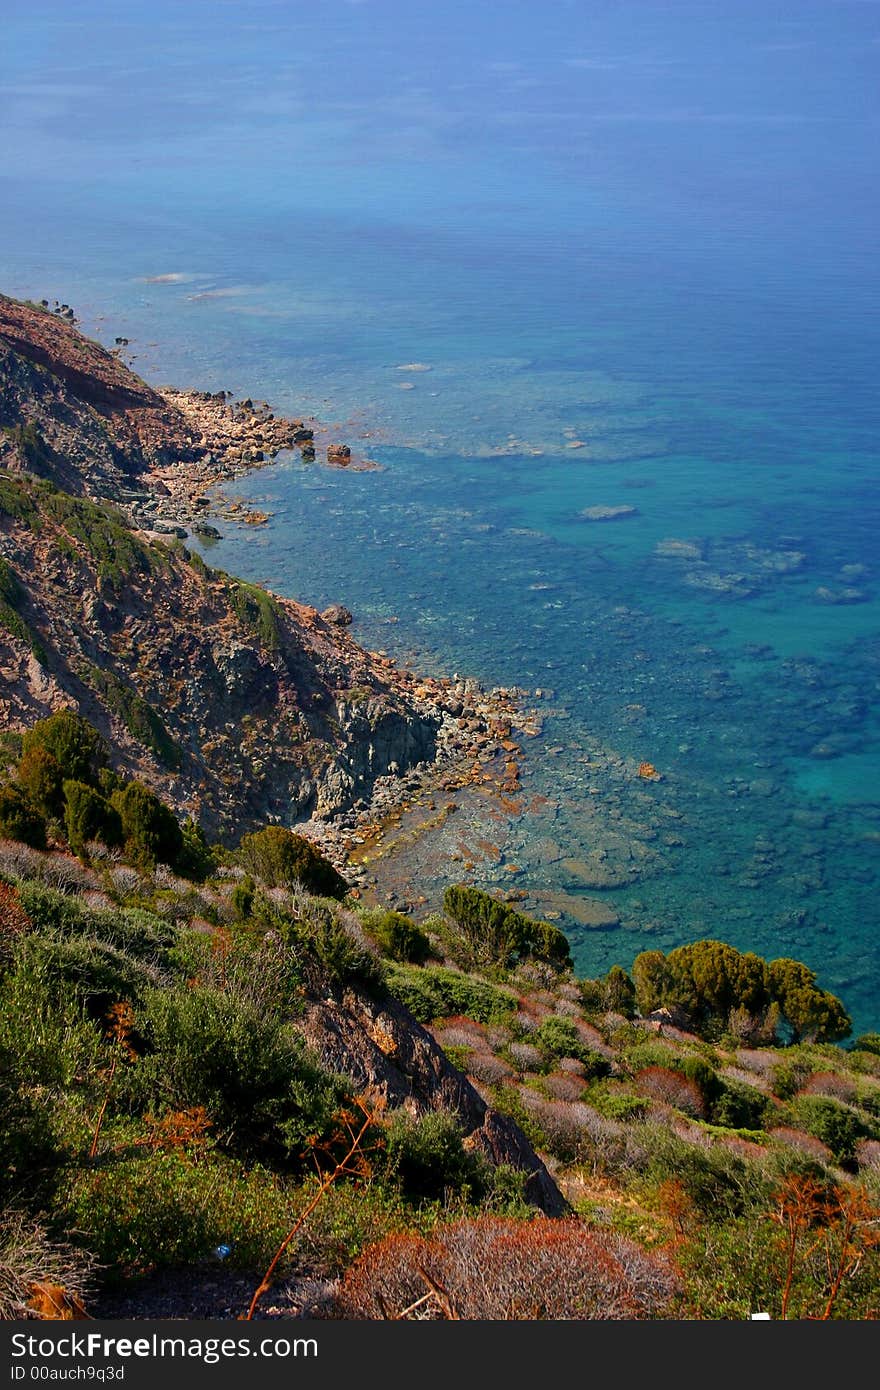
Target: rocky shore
[
  {"x": 226, "y": 438},
  {"x": 241, "y": 706},
  {"x": 478, "y": 749}
]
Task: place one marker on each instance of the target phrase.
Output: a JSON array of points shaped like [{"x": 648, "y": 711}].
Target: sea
[{"x": 595, "y": 284}]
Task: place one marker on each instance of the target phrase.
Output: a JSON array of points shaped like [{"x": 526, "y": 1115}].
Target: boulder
[{"x": 337, "y": 615}]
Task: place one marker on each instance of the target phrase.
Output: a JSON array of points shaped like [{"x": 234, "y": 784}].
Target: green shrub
[
  {"x": 92, "y": 972},
  {"x": 433, "y": 992},
  {"x": 281, "y": 859},
  {"x": 168, "y": 1207},
  {"x": 558, "y": 1037},
  {"x": 491, "y": 932},
  {"x": 49, "y": 1055},
  {"x": 348, "y": 1218},
  {"x": 242, "y": 898},
  {"x": 19, "y": 820},
  {"x": 88, "y": 816},
  {"x": 836, "y": 1125},
  {"x": 720, "y": 1183},
  {"x": 76, "y": 746},
  {"x": 697, "y": 1069},
  {"x": 739, "y": 1107},
  {"x": 142, "y": 934},
  {"x": 262, "y": 1090},
  {"x": 867, "y": 1042},
  {"x": 397, "y": 936},
  {"x": 343, "y": 957},
  {"x": 616, "y": 1104},
  {"x": 428, "y": 1156},
  {"x": 151, "y": 831},
  {"x": 195, "y": 860},
  {"x": 41, "y": 778}
]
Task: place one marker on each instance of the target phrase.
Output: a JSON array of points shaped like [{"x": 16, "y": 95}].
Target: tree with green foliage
[
  {"x": 620, "y": 992},
  {"x": 714, "y": 983},
  {"x": 19, "y": 820},
  {"x": 652, "y": 981},
  {"x": 150, "y": 829},
  {"x": 813, "y": 1014},
  {"x": 89, "y": 816},
  {"x": 41, "y": 778},
  {"x": 281, "y": 859},
  {"x": 73, "y": 742}
]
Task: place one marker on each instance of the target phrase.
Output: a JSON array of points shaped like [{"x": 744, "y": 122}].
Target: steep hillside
[
  {"x": 75, "y": 413},
  {"x": 242, "y": 706}
]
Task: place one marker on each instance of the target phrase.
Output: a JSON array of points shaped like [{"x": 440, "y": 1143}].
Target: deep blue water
[{"x": 634, "y": 243}]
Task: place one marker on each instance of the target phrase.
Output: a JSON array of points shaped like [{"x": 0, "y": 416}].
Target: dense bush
[
  {"x": 281, "y": 859},
  {"x": 259, "y": 1085},
  {"x": 135, "y": 930},
  {"x": 151, "y": 831},
  {"x": 558, "y": 1037},
  {"x": 491, "y": 932},
  {"x": 334, "y": 943},
  {"x": 739, "y": 1106},
  {"x": 73, "y": 742},
  {"x": 167, "y": 1207},
  {"x": 433, "y": 992},
  {"x": 19, "y": 820},
  {"x": 397, "y": 936},
  {"x": 719, "y": 1183},
  {"x": 95, "y": 973},
  {"x": 838, "y": 1126},
  {"x": 89, "y": 816},
  {"x": 428, "y": 1156}
]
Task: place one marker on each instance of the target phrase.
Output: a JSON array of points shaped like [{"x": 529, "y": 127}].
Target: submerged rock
[{"x": 607, "y": 513}]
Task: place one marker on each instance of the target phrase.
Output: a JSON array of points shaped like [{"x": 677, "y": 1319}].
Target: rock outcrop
[{"x": 382, "y": 1048}]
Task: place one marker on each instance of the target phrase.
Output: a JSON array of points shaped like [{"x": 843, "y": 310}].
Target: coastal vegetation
[
  {"x": 222, "y": 1063},
  {"x": 163, "y": 1097}
]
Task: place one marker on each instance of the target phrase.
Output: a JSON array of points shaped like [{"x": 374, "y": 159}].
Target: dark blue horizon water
[{"x": 634, "y": 246}]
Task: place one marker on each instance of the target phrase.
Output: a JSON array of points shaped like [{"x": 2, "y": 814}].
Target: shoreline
[
  {"x": 480, "y": 734},
  {"x": 231, "y": 438}
]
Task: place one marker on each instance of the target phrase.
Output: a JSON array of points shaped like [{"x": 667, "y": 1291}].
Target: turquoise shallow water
[{"x": 631, "y": 245}]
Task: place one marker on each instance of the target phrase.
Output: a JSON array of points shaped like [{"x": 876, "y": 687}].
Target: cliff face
[{"x": 241, "y": 706}]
